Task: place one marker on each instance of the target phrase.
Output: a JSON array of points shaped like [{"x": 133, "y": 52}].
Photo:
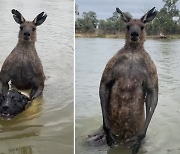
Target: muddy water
[
  {"x": 47, "y": 125},
  {"x": 163, "y": 133}
]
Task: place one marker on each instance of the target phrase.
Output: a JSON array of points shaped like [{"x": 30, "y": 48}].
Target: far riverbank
[{"x": 93, "y": 35}]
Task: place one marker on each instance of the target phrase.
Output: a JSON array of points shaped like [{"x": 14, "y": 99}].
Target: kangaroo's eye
[
  {"x": 34, "y": 29},
  {"x": 142, "y": 27},
  {"x": 21, "y": 28}
]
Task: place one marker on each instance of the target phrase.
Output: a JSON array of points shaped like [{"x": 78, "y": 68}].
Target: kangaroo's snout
[
  {"x": 134, "y": 34},
  {"x": 26, "y": 34}
]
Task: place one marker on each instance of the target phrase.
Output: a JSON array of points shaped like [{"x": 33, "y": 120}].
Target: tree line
[{"x": 166, "y": 22}]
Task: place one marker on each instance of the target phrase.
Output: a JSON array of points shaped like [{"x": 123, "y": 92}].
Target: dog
[{"x": 12, "y": 103}]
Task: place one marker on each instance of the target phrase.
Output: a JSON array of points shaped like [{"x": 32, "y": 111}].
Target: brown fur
[
  {"x": 23, "y": 66},
  {"x": 130, "y": 68},
  {"x": 27, "y": 26},
  {"x": 128, "y": 82}
]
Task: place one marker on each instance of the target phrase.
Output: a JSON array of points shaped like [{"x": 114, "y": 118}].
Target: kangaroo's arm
[
  {"x": 106, "y": 84},
  {"x": 37, "y": 85},
  {"x": 152, "y": 98},
  {"x": 38, "y": 78},
  {"x": 37, "y": 89},
  {"x": 5, "y": 76}
]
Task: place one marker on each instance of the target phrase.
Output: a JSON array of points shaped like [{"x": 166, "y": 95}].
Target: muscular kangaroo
[
  {"x": 128, "y": 82},
  {"x": 23, "y": 67}
]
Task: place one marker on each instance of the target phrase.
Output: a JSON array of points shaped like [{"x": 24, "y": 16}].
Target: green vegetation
[
  {"x": 167, "y": 22},
  {"x": 87, "y": 24}
]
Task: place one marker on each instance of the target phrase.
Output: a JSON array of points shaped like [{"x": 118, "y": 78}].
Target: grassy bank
[{"x": 93, "y": 35}]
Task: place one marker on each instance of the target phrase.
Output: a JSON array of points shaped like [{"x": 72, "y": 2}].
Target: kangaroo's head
[
  {"x": 135, "y": 31},
  {"x": 27, "y": 30}
]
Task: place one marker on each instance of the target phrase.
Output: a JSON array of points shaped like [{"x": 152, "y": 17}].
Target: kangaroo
[
  {"x": 23, "y": 67},
  {"x": 128, "y": 82}
]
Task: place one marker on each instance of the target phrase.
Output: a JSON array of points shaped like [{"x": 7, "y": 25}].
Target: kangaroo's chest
[
  {"x": 130, "y": 67},
  {"x": 22, "y": 66},
  {"x": 126, "y": 103}
]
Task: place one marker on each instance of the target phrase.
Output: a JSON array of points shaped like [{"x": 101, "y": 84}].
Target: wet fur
[
  {"x": 129, "y": 82},
  {"x": 130, "y": 70},
  {"x": 23, "y": 66},
  {"x": 12, "y": 103}
]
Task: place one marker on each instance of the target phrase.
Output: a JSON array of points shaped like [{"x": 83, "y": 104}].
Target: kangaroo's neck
[
  {"x": 24, "y": 45},
  {"x": 134, "y": 46}
]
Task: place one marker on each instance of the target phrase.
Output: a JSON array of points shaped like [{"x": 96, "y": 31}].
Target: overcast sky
[{"x": 105, "y": 8}]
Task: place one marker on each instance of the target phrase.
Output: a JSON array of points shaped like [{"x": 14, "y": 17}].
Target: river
[
  {"x": 92, "y": 55},
  {"x": 46, "y": 127}
]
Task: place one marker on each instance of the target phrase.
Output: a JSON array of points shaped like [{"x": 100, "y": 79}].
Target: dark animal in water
[
  {"x": 128, "y": 82},
  {"x": 12, "y": 103},
  {"x": 23, "y": 66}
]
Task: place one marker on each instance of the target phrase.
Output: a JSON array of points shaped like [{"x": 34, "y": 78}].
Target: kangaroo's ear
[
  {"x": 124, "y": 16},
  {"x": 40, "y": 19},
  {"x": 18, "y": 16},
  {"x": 149, "y": 16}
]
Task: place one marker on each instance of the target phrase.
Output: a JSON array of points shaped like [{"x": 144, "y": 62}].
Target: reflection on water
[
  {"x": 91, "y": 58},
  {"x": 46, "y": 126}
]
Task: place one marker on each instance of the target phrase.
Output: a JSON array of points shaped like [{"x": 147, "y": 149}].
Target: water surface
[
  {"x": 47, "y": 125},
  {"x": 163, "y": 132}
]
